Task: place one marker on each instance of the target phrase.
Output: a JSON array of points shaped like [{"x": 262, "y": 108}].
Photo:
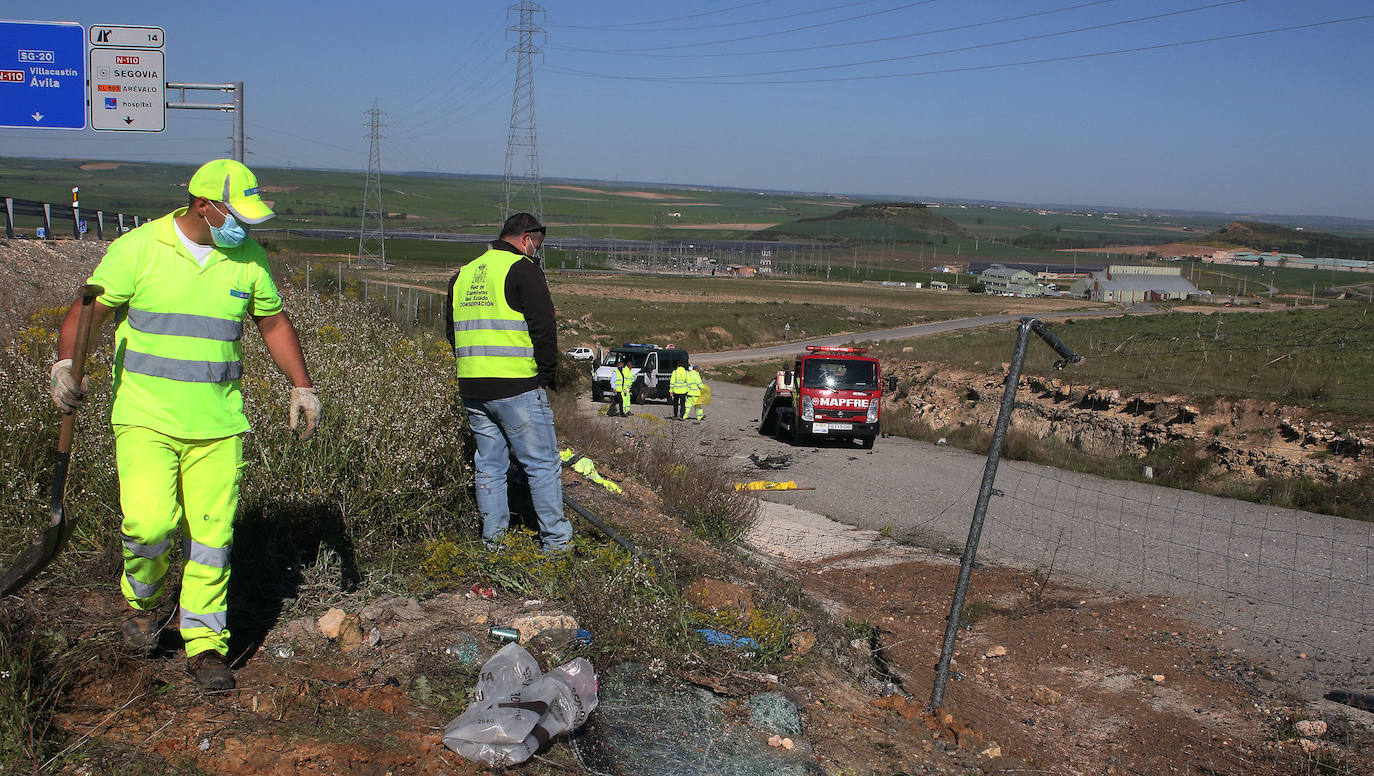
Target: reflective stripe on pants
[{"x": 166, "y": 484}]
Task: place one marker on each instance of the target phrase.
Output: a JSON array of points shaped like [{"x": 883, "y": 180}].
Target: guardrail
[{"x": 119, "y": 222}]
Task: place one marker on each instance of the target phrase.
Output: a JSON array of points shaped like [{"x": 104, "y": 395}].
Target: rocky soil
[
  {"x": 1246, "y": 439},
  {"x": 37, "y": 274}
]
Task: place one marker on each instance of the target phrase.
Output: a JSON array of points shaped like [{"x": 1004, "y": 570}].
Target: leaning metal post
[{"x": 980, "y": 510}]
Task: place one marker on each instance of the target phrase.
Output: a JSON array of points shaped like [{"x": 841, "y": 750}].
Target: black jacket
[{"x": 527, "y": 292}]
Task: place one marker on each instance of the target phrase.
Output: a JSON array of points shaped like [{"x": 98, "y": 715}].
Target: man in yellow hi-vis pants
[
  {"x": 183, "y": 284},
  {"x": 694, "y": 387},
  {"x": 622, "y": 381}
]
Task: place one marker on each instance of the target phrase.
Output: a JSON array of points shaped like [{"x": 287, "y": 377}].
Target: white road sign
[
  {"x": 127, "y": 89},
  {"x": 120, "y": 36}
]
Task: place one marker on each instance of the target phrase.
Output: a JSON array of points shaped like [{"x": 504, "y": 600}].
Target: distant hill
[
  {"x": 901, "y": 222},
  {"x": 1271, "y": 237}
]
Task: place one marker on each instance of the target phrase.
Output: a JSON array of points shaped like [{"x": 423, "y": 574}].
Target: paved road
[
  {"x": 1280, "y": 582},
  {"x": 900, "y": 332}
]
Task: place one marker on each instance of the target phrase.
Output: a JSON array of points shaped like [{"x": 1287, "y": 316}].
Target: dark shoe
[
  {"x": 210, "y": 672},
  {"x": 140, "y": 630}
]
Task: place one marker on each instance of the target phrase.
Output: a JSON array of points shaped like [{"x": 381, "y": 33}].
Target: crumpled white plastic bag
[{"x": 516, "y": 709}]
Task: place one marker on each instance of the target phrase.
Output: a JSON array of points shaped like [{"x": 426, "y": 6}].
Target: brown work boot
[
  {"x": 210, "y": 671},
  {"x": 140, "y": 630}
]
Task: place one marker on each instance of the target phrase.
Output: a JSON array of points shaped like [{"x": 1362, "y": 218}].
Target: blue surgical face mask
[{"x": 230, "y": 235}]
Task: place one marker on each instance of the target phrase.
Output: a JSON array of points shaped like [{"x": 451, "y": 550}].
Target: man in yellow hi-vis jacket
[
  {"x": 183, "y": 284},
  {"x": 677, "y": 386},
  {"x": 500, "y": 322},
  {"x": 622, "y": 380},
  {"x": 694, "y": 386}
]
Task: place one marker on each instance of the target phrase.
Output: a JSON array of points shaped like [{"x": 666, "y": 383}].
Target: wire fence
[{"x": 1194, "y": 632}]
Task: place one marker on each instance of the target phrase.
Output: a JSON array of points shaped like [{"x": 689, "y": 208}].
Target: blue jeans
[{"x": 522, "y": 425}]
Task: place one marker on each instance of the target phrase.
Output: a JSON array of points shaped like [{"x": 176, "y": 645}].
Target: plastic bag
[{"x": 516, "y": 709}]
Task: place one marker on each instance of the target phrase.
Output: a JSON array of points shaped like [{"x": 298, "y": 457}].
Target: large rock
[
  {"x": 330, "y": 622},
  {"x": 531, "y": 625},
  {"x": 715, "y": 595}
]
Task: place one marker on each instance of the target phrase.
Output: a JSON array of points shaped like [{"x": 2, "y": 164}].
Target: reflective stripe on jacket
[
  {"x": 490, "y": 338},
  {"x": 693, "y": 383},
  {"x": 678, "y": 383},
  {"x": 622, "y": 379}
]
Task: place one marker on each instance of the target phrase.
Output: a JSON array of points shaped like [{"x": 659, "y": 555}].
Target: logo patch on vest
[
  {"x": 239, "y": 294},
  {"x": 476, "y": 295}
]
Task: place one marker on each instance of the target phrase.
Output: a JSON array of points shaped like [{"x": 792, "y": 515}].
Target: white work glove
[
  {"x": 65, "y": 393},
  {"x": 304, "y": 401}
]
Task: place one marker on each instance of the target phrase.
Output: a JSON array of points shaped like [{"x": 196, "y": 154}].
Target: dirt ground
[
  {"x": 1164, "y": 249},
  {"x": 631, "y": 194},
  {"x": 1072, "y": 681},
  {"x": 1047, "y": 679}
]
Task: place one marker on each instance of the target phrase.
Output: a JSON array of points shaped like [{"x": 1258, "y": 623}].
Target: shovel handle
[{"x": 88, "y": 294}]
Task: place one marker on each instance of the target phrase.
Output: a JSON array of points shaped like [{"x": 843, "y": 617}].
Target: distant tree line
[
  {"x": 1049, "y": 242},
  {"x": 1270, "y": 237}
]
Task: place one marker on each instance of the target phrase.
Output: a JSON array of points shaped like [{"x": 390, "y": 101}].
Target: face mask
[{"x": 230, "y": 235}]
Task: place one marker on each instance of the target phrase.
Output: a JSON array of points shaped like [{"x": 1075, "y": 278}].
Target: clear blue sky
[{"x": 741, "y": 93}]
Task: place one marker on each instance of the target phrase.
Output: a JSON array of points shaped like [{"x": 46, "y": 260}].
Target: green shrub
[
  {"x": 1182, "y": 464},
  {"x": 35, "y": 669},
  {"x": 387, "y": 466}
]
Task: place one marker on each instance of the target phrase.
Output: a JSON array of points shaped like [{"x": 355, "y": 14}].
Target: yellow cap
[{"x": 230, "y": 182}]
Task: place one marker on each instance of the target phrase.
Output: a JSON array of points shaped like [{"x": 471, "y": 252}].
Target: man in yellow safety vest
[
  {"x": 622, "y": 381},
  {"x": 677, "y": 386},
  {"x": 505, "y": 345},
  {"x": 694, "y": 385},
  {"x": 183, "y": 284}
]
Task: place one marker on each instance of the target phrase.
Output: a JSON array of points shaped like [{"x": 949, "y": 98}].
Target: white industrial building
[{"x": 1128, "y": 284}]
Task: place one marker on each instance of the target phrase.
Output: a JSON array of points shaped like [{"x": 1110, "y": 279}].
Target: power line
[
  {"x": 476, "y": 53},
  {"x": 311, "y": 140},
  {"x": 444, "y": 108},
  {"x": 974, "y": 47},
  {"x": 869, "y": 41},
  {"x": 974, "y": 68},
  {"x": 757, "y": 21},
  {"x": 775, "y": 33},
  {"x": 615, "y": 27}
]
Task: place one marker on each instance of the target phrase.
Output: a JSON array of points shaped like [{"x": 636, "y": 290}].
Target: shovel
[{"x": 39, "y": 554}]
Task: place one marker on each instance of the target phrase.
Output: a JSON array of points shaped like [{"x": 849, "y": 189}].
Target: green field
[
  {"x": 1318, "y": 358},
  {"x": 331, "y": 199},
  {"x": 427, "y": 202},
  {"x": 1005, "y": 223}
]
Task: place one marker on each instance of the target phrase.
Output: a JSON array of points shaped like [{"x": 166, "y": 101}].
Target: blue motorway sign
[{"x": 42, "y": 75}]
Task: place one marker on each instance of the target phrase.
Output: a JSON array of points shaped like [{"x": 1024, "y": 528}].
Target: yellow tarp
[{"x": 766, "y": 485}]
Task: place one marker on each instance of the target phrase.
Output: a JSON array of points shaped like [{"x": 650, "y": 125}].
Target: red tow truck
[{"x": 829, "y": 392}]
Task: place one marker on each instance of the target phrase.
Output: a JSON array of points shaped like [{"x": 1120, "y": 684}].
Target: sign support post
[{"x": 235, "y": 107}]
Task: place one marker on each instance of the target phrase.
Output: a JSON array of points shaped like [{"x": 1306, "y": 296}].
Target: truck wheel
[
  {"x": 637, "y": 394},
  {"x": 596, "y": 394},
  {"x": 867, "y": 442}
]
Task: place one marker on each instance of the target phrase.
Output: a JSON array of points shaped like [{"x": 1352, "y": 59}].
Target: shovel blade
[{"x": 37, "y": 555}]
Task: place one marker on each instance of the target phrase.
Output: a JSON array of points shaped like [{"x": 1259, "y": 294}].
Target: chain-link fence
[{"x": 1111, "y": 625}]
